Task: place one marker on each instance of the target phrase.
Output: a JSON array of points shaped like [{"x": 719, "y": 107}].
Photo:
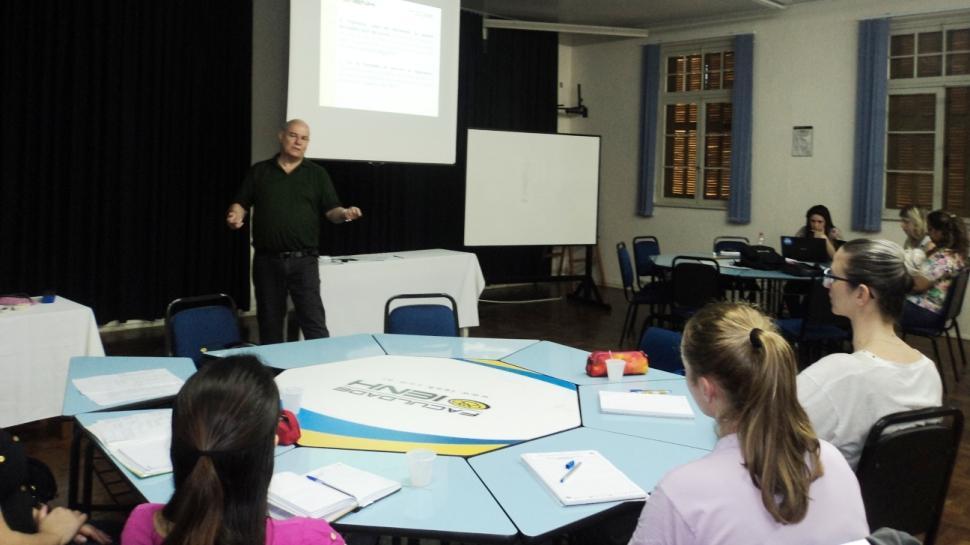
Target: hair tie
[
  {"x": 210, "y": 453},
  {"x": 755, "y": 338}
]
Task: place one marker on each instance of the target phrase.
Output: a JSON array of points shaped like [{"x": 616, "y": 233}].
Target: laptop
[{"x": 804, "y": 249}]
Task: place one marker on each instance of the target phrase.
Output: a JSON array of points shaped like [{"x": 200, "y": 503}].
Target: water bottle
[{"x": 761, "y": 239}]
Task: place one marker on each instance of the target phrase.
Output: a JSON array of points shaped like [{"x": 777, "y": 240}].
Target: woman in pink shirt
[
  {"x": 769, "y": 479},
  {"x": 223, "y": 435}
]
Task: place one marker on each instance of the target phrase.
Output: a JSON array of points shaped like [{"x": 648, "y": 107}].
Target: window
[
  {"x": 928, "y": 118},
  {"x": 696, "y": 124}
]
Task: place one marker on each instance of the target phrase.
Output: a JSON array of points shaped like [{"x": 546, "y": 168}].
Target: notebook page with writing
[{"x": 594, "y": 479}]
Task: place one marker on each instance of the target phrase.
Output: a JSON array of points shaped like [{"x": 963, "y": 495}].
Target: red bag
[
  {"x": 288, "y": 430},
  {"x": 636, "y": 362}
]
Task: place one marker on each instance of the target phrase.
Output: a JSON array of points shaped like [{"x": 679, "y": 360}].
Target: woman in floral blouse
[{"x": 943, "y": 263}]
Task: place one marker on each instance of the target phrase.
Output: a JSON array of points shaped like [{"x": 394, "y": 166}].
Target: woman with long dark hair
[
  {"x": 223, "y": 434},
  {"x": 943, "y": 263},
  {"x": 818, "y": 224},
  {"x": 769, "y": 478}
]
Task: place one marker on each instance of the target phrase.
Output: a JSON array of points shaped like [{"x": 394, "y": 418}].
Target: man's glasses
[{"x": 828, "y": 278}]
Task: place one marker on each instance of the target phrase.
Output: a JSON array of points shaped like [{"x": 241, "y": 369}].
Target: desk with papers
[
  {"x": 36, "y": 345},
  {"x": 491, "y": 496}
]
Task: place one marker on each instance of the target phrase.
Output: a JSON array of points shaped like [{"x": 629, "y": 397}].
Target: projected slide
[
  {"x": 376, "y": 80},
  {"x": 380, "y": 55}
]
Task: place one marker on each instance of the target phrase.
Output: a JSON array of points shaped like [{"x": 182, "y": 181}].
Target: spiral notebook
[{"x": 591, "y": 477}]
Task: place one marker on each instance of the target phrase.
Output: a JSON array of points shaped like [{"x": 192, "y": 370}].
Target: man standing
[{"x": 290, "y": 195}]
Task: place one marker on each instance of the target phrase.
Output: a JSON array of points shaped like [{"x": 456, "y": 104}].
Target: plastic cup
[
  {"x": 420, "y": 464},
  {"x": 614, "y": 369},
  {"x": 292, "y": 398}
]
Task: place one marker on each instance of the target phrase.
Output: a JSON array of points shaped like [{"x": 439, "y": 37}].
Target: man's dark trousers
[{"x": 275, "y": 276}]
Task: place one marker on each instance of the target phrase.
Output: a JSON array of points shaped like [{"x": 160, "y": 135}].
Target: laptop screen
[{"x": 804, "y": 249}]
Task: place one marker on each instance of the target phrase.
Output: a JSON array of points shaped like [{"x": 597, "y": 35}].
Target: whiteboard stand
[{"x": 587, "y": 291}]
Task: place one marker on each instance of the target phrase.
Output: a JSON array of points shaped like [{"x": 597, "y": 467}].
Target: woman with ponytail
[
  {"x": 769, "y": 479},
  {"x": 845, "y": 394},
  {"x": 223, "y": 435}
]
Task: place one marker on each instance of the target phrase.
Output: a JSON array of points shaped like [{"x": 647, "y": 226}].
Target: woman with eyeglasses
[
  {"x": 845, "y": 394},
  {"x": 769, "y": 478},
  {"x": 943, "y": 263},
  {"x": 223, "y": 435}
]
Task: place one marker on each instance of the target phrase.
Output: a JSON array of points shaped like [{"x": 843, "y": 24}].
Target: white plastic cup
[
  {"x": 420, "y": 465},
  {"x": 292, "y": 398},
  {"x": 614, "y": 369}
]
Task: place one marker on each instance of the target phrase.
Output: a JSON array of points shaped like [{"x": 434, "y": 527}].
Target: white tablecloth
[
  {"x": 354, "y": 293},
  {"x": 36, "y": 345}
]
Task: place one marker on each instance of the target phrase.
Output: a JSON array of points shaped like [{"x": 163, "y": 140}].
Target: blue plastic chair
[
  {"x": 729, "y": 243},
  {"x": 662, "y": 347},
  {"x": 645, "y": 248},
  {"x": 196, "y": 325},
  {"x": 422, "y": 319},
  {"x": 651, "y": 294}
]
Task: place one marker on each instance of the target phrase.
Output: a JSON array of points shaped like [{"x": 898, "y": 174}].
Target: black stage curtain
[
  {"x": 126, "y": 129},
  {"x": 508, "y": 82}
]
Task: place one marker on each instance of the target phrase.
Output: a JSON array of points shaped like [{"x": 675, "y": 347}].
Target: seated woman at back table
[
  {"x": 918, "y": 243},
  {"x": 943, "y": 263},
  {"x": 769, "y": 478},
  {"x": 223, "y": 436},
  {"x": 845, "y": 394},
  {"x": 818, "y": 224}
]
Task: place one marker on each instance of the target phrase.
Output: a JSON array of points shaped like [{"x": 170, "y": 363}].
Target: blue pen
[
  {"x": 316, "y": 480},
  {"x": 572, "y": 466}
]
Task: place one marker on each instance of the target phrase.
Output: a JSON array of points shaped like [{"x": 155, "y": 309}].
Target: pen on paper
[
  {"x": 638, "y": 391},
  {"x": 314, "y": 479},
  {"x": 571, "y": 467}
]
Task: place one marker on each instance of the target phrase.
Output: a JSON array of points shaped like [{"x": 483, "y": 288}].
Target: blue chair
[
  {"x": 652, "y": 294},
  {"x": 904, "y": 471},
  {"x": 196, "y": 325},
  {"x": 644, "y": 249},
  {"x": 729, "y": 243},
  {"x": 662, "y": 347},
  {"x": 422, "y": 319},
  {"x": 694, "y": 282},
  {"x": 947, "y": 321},
  {"x": 818, "y": 332}
]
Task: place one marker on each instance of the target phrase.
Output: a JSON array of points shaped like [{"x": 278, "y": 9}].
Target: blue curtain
[
  {"x": 739, "y": 203},
  {"x": 648, "y": 129},
  {"x": 870, "y": 126}
]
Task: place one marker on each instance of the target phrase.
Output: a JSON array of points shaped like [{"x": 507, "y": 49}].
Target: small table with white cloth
[
  {"x": 355, "y": 288},
  {"x": 36, "y": 346}
]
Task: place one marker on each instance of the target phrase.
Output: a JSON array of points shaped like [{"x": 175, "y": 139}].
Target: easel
[{"x": 586, "y": 291}]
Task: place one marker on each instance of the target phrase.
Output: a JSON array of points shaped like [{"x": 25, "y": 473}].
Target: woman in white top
[
  {"x": 769, "y": 478},
  {"x": 845, "y": 394}
]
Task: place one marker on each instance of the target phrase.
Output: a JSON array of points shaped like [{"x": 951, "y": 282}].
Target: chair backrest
[
  {"x": 196, "y": 325},
  {"x": 955, "y": 295},
  {"x": 729, "y": 243},
  {"x": 644, "y": 248},
  {"x": 662, "y": 347},
  {"x": 818, "y": 309},
  {"x": 423, "y": 318},
  {"x": 626, "y": 267},
  {"x": 905, "y": 472},
  {"x": 694, "y": 281}
]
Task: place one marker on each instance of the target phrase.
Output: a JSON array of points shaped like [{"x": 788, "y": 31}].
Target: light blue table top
[
  {"x": 692, "y": 432},
  {"x": 88, "y": 366},
  {"x": 451, "y": 347},
  {"x": 727, "y": 267},
  {"x": 534, "y": 509},
  {"x": 305, "y": 353},
  {"x": 456, "y": 501},
  {"x": 569, "y": 364},
  {"x": 157, "y": 489}
]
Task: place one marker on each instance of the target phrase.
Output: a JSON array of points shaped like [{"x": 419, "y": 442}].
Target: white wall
[{"x": 804, "y": 74}]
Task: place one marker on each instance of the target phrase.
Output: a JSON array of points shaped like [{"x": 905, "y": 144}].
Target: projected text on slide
[{"x": 380, "y": 55}]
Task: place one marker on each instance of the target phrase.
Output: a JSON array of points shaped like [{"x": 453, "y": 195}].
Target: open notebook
[
  {"x": 328, "y": 492},
  {"x": 591, "y": 477},
  {"x": 140, "y": 441}
]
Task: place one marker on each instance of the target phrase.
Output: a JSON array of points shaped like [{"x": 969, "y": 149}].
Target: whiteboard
[{"x": 527, "y": 189}]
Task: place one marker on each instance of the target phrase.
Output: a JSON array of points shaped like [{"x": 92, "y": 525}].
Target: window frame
[
  {"x": 926, "y": 85},
  {"x": 702, "y": 98}
]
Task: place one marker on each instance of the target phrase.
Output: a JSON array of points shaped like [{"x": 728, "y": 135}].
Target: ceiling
[{"x": 643, "y": 14}]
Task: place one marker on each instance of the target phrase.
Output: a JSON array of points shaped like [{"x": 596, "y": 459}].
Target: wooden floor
[{"x": 573, "y": 324}]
